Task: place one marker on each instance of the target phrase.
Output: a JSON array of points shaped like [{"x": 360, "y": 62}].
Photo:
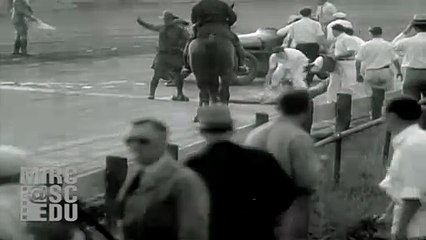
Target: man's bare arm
[{"x": 149, "y": 26}]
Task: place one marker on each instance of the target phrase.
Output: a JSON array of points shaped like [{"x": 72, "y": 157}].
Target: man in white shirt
[
  {"x": 376, "y": 56},
  {"x": 339, "y": 18},
  {"x": 325, "y": 12},
  {"x": 344, "y": 74},
  {"x": 283, "y": 32},
  {"x": 287, "y": 64},
  {"x": 413, "y": 50},
  {"x": 308, "y": 36},
  {"x": 405, "y": 182}
]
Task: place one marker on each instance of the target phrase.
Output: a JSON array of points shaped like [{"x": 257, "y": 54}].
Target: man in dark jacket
[
  {"x": 169, "y": 59},
  {"x": 248, "y": 189},
  {"x": 215, "y": 17}
]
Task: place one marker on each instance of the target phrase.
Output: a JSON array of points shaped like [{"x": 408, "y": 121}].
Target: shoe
[
  {"x": 243, "y": 69},
  {"x": 150, "y": 97}
]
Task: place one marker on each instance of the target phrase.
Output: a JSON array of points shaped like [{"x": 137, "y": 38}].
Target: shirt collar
[{"x": 404, "y": 134}]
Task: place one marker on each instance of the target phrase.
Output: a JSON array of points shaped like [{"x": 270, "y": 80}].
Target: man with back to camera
[
  {"x": 376, "y": 57},
  {"x": 294, "y": 150},
  {"x": 413, "y": 50},
  {"x": 248, "y": 188}
]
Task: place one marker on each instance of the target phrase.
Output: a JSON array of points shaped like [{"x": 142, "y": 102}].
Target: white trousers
[{"x": 341, "y": 80}]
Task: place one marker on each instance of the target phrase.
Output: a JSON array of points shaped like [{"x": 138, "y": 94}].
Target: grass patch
[{"x": 357, "y": 195}]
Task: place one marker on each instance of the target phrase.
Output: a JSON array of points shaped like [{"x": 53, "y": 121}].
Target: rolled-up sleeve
[{"x": 305, "y": 163}]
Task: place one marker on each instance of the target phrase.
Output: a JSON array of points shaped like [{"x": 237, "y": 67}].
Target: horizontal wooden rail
[{"x": 338, "y": 136}]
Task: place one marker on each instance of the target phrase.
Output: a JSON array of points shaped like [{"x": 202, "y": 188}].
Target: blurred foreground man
[
  {"x": 376, "y": 57},
  {"x": 21, "y": 14},
  {"x": 161, "y": 199},
  {"x": 413, "y": 50},
  {"x": 248, "y": 188},
  {"x": 294, "y": 149},
  {"x": 169, "y": 59},
  {"x": 11, "y": 161},
  {"x": 405, "y": 182}
]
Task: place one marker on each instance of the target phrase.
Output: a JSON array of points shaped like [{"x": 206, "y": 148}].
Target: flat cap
[
  {"x": 340, "y": 15},
  {"x": 11, "y": 160},
  {"x": 375, "y": 30},
  {"x": 338, "y": 27},
  {"x": 419, "y": 19},
  {"x": 216, "y": 116}
]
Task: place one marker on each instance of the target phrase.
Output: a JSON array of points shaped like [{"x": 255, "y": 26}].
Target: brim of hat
[{"x": 419, "y": 22}]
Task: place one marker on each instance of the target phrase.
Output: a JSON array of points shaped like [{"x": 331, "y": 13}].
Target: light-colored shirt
[
  {"x": 292, "y": 147},
  {"x": 345, "y": 23},
  {"x": 345, "y": 43},
  {"x": 376, "y": 54},
  {"x": 359, "y": 42},
  {"x": 285, "y": 30},
  {"x": 412, "y": 49},
  {"x": 406, "y": 177},
  {"x": 325, "y": 13},
  {"x": 293, "y": 62},
  {"x": 306, "y": 30}
]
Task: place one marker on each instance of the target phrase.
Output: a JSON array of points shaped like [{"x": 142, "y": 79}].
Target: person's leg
[
  {"x": 153, "y": 85},
  {"x": 240, "y": 53},
  {"x": 377, "y": 99},
  {"x": 17, "y": 45},
  {"x": 24, "y": 41},
  {"x": 186, "y": 66},
  {"x": 179, "y": 80},
  {"x": 334, "y": 87},
  {"x": 410, "y": 86}
]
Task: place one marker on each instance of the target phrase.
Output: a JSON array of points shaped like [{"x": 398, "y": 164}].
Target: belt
[
  {"x": 385, "y": 67},
  {"x": 343, "y": 60}
]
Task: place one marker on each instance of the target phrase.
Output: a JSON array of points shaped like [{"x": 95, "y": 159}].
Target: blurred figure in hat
[
  {"x": 160, "y": 198},
  {"x": 248, "y": 188},
  {"x": 325, "y": 12},
  {"x": 287, "y": 139},
  {"x": 339, "y": 18},
  {"x": 376, "y": 57},
  {"x": 344, "y": 74},
  {"x": 11, "y": 161},
  {"x": 308, "y": 37},
  {"x": 413, "y": 51},
  {"x": 21, "y": 14},
  {"x": 169, "y": 58}
]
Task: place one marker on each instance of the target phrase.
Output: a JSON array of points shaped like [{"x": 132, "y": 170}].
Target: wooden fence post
[
  {"x": 115, "y": 175},
  {"x": 261, "y": 118},
  {"x": 386, "y": 148},
  {"x": 343, "y": 122},
  {"x": 174, "y": 151}
]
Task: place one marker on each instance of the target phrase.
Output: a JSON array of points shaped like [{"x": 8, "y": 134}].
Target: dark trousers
[
  {"x": 311, "y": 51},
  {"x": 377, "y": 99},
  {"x": 415, "y": 83}
]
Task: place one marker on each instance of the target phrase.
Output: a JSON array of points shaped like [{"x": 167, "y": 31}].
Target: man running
[{"x": 172, "y": 39}]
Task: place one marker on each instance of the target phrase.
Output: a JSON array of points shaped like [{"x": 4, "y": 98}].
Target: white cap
[
  {"x": 340, "y": 15},
  {"x": 11, "y": 160}
]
